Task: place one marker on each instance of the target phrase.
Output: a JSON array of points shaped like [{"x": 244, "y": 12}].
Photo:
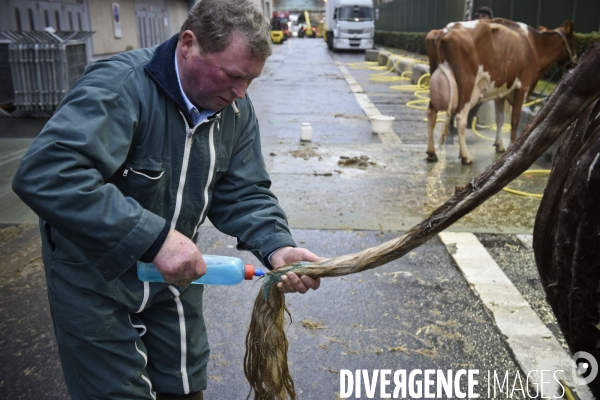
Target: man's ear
[{"x": 187, "y": 42}]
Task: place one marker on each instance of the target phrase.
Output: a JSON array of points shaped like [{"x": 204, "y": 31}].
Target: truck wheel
[{"x": 330, "y": 41}]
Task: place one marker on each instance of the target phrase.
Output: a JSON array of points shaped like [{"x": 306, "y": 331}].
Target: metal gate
[
  {"x": 44, "y": 66},
  {"x": 152, "y": 24},
  {"x": 6, "y": 85}
]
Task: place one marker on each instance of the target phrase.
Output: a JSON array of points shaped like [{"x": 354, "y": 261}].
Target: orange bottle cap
[{"x": 248, "y": 272}]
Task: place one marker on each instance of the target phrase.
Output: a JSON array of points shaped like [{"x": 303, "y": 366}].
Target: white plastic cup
[
  {"x": 306, "y": 132},
  {"x": 382, "y": 124}
]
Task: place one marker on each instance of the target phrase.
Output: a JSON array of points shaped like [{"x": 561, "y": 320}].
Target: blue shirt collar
[{"x": 197, "y": 116}]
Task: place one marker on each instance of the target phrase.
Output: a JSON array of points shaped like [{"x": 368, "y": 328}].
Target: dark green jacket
[{"x": 119, "y": 159}]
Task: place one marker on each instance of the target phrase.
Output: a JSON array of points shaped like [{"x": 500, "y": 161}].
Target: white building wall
[
  {"x": 101, "y": 20},
  {"x": 266, "y": 6},
  {"x": 178, "y": 12}
]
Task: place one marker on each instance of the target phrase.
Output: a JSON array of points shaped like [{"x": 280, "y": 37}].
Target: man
[
  {"x": 144, "y": 147},
  {"x": 484, "y": 13}
]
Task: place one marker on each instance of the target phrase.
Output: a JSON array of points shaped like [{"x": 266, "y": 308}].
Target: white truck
[{"x": 350, "y": 24}]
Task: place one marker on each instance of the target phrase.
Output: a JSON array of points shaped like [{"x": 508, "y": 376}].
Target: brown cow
[{"x": 476, "y": 61}]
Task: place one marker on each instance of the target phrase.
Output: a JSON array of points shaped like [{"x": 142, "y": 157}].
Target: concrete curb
[
  {"x": 371, "y": 54},
  {"x": 419, "y": 70},
  {"x": 534, "y": 346}
]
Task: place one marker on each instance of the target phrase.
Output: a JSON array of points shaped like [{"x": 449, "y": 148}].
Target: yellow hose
[
  {"x": 422, "y": 88},
  {"x": 419, "y": 94},
  {"x": 382, "y": 77},
  {"x": 568, "y": 394},
  {"x": 411, "y": 104},
  {"x": 529, "y": 172},
  {"x": 533, "y": 102},
  {"x": 364, "y": 65},
  {"x": 505, "y": 128}
]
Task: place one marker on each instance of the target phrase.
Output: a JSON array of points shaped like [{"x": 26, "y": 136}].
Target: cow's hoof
[
  {"x": 499, "y": 148},
  {"x": 431, "y": 157},
  {"x": 466, "y": 161}
]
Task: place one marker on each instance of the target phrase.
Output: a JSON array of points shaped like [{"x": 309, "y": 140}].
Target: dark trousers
[{"x": 124, "y": 339}]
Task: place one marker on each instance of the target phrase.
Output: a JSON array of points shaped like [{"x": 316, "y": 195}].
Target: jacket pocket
[
  {"x": 221, "y": 167},
  {"x": 144, "y": 179},
  {"x": 80, "y": 300},
  {"x": 222, "y": 164}
]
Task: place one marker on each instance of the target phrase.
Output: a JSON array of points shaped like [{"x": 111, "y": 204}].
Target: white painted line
[
  {"x": 369, "y": 108},
  {"x": 534, "y": 346},
  {"x": 5, "y": 189},
  {"x": 526, "y": 240},
  {"x": 10, "y": 157}
]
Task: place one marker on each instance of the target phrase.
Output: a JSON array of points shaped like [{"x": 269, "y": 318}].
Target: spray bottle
[{"x": 220, "y": 270}]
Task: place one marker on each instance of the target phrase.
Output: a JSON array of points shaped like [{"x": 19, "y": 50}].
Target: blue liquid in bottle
[{"x": 220, "y": 270}]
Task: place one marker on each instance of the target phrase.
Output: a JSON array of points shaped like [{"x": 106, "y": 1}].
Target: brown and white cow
[{"x": 476, "y": 61}]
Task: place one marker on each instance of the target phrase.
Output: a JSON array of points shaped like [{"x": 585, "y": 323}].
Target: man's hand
[
  {"x": 179, "y": 260},
  {"x": 290, "y": 282}
]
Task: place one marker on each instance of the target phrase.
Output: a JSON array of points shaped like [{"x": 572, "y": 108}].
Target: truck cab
[{"x": 350, "y": 24}]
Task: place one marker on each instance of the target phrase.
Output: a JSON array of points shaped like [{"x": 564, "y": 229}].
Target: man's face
[
  {"x": 214, "y": 80},
  {"x": 482, "y": 16}
]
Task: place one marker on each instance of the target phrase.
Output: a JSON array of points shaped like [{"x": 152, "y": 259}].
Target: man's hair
[
  {"x": 214, "y": 21},
  {"x": 486, "y": 11}
]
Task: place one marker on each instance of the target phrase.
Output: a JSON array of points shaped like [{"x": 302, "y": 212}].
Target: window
[
  {"x": 31, "y": 21},
  {"x": 46, "y": 19},
  {"x": 71, "y": 20},
  {"x": 57, "y": 17},
  {"x": 356, "y": 13},
  {"x": 79, "y": 21},
  {"x": 18, "y": 19}
]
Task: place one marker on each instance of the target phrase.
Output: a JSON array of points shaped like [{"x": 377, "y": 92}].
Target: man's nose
[{"x": 239, "y": 89}]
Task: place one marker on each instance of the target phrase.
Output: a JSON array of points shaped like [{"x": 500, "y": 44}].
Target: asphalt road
[{"x": 424, "y": 311}]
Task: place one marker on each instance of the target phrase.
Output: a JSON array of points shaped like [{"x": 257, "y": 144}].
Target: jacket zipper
[
  {"x": 184, "y": 167},
  {"x": 211, "y": 170},
  {"x": 189, "y": 139}
]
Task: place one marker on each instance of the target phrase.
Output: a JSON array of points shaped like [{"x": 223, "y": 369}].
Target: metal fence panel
[
  {"x": 6, "y": 86},
  {"x": 44, "y": 66},
  {"x": 76, "y": 62}
]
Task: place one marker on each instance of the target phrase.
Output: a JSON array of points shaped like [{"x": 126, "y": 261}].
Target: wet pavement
[{"x": 344, "y": 192}]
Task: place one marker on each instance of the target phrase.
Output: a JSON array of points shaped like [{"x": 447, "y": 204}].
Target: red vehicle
[{"x": 284, "y": 22}]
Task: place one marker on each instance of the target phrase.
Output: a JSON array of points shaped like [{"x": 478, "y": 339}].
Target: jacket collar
[{"x": 161, "y": 69}]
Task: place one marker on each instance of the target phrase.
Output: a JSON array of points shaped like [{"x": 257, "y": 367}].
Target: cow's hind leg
[
  {"x": 499, "y": 103},
  {"x": 431, "y": 117},
  {"x": 516, "y": 114},
  {"x": 461, "y": 121}
]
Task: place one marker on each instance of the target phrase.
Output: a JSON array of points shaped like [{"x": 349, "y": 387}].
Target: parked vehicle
[
  {"x": 350, "y": 24},
  {"x": 277, "y": 32},
  {"x": 284, "y": 19},
  {"x": 307, "y": 29},
  {"x": 295, "y": 27}
]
